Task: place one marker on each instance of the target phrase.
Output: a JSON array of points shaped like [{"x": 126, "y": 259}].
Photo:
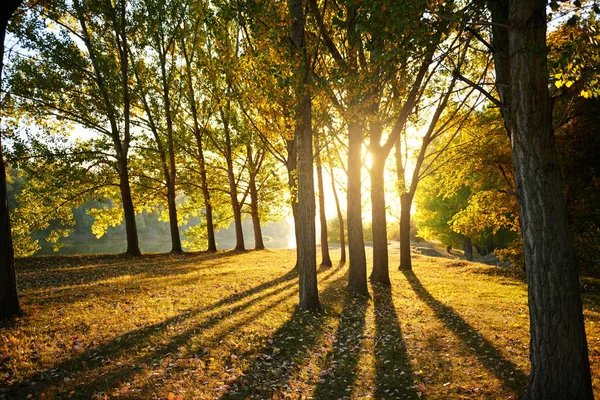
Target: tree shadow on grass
[
  {"x": 339, "y": 374},
  {"x": 394, "y": 374},
  {"x": 505, "y": 371},
  {"x": 132, "y": 343},
  {"x": 288, "y": 350}
]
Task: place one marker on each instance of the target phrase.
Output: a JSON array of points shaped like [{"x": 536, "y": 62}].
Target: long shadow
[
  {"x": 394, "y": 374},
  {"x": 131, "y": 289},
  {"x": 275, "y": 364},
  {"x": 505, "y": 370},
  {"x": 339, "y": 375},
  {"x": 132, "y": 342}
]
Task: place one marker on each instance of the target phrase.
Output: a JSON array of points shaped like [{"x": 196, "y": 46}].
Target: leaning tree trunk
[
  {"x": 340, "y": 216},
  {"x": 133, "y": 246},
  {"x": 559, "y": 356},
  {"x": 326, "y": 259},
  {"x": 292, "y": 172},
  {"x": 405, "y": 259},
  {"x": 357, "y": 279},
  {"x": 380, "y": 271},
  {"x": 9, "y": 299}
]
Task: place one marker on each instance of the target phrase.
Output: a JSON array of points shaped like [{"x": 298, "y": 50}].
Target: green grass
[{"x": 226, "y": 326}]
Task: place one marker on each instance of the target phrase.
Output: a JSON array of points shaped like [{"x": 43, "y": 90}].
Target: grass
[{"x": 225, "y": 326}]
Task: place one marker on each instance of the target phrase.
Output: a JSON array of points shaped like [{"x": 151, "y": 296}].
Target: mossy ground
[{"x": 225, "y": 326}]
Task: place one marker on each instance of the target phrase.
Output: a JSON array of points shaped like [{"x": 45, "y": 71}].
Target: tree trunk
[
  {"x": 173, "y": 224},
  {"x": 468, "y": 248},
  {"x": 258, "y": 237},
  {"x": 133, "y": 247},
  {"x": 559, "y": 356},
  {"x": 326, "y": 259},
  {"x": 210, "y": 226},
  {"x": 405, "y": 259},
  {"x": 307, "y": 247},
  {"x": 171, "y": 187},
  {"x": 9, "y": 299},
  {"x": 340, "y": 220},
  {"x": 380, "y": 271},
  {"x": 357, "y": 279}
]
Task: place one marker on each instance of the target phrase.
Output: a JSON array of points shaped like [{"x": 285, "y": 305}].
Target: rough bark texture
[
  {"x": 559, "y": 355},
  {"x": 357, "y": 279},
  {"x": 380, "y": 271},
  {"x": 326, "y": 259},
  {"x": 405, "y": 259},
  {"x": 307, "y": 247},
  {"x": 558, "y": 346},
  {"x": 9, "y": 299}
]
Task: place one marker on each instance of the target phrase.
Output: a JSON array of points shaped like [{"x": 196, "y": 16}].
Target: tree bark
[
  {"x": 559, "y": 356},
  {"x": 405, "y": 259},
  {"x": 306, "y": 240},
  {"x": 357, "y": 279},
  {"x": 326, "y": 259},
  {"x": 380, "y": 271},
  {"x": 558, "y": 347},
  {"x": 9, "y": 298}
]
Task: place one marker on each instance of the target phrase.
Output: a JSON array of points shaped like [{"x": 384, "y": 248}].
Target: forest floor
[{"x": 225, "y": 326}]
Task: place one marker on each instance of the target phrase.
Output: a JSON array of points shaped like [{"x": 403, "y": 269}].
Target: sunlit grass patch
[{"x": 226, "y": 326}]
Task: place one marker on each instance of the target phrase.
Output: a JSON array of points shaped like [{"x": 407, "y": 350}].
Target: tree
[
  {"x": 82, "y": 74},
  {"x": 9, "y": 299},
  {"x": 558, "y": 348},
  {"x": 307, "y": 251}
]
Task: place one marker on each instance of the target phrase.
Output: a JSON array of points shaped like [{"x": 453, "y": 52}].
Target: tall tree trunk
[
  {"x": 133, "y": 246},
  {"x": 559, "y": 356},
  {"x": 171, "y": 186},
  {"x": 405, "y": 259},
  {"x": 9, "y": 299},
  {"x": 357, "y": 279},
  {"x": 258, "y": 237},
  {"x": 380, "y": 271},
  {"x": 340, "y": 220},
  {"x": 326, "y": 259},
  {"x": 208, "y": 210},
  {"x": 307, "y": 247}
]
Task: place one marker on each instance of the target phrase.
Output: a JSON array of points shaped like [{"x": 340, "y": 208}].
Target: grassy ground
[{"x": 225, "y": 326}]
